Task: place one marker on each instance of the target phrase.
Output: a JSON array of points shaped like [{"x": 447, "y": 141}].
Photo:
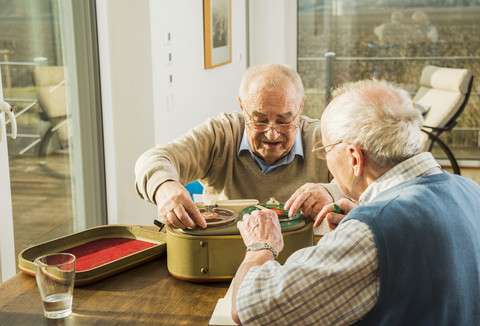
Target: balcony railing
[
  {"x": 29, "y": 102},
  {"x": 330, "y": 59}
]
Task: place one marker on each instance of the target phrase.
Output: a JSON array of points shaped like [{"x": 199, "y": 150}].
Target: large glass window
[
  {"x": 391, "y": 40},
  {"x": 54, "y": 162}
]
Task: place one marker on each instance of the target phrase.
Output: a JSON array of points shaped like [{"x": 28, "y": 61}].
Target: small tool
[{"x": 159, "y": 224}]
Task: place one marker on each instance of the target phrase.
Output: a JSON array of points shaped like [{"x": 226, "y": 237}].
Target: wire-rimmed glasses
[
  {"x": 321, "y": 151},
  {"x": 282, "y": 128}
]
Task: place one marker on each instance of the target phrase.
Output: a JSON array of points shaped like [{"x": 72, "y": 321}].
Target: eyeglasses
[
  {"x": 282, "y": 128},
  {"x": 321, "y": 152}
]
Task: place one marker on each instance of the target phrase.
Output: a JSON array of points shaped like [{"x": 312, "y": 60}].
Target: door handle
[{"x": 5, "y": 107}]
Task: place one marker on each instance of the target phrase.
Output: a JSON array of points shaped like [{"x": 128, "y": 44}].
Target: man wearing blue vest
[{"x": 407, "y": 252}]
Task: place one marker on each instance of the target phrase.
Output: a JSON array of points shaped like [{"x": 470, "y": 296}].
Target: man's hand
[
  {"x": 261, "y": 226},
  {"x": 310, "y": 198},
  {"x": 176, "y": 208},
  {"x": 334, "y": 218}
]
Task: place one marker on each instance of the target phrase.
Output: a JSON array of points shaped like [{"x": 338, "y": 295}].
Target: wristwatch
[{"x": 262, "y": 246}]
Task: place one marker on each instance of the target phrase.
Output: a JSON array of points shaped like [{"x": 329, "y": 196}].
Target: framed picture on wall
[{"x": 217, "y": 26}]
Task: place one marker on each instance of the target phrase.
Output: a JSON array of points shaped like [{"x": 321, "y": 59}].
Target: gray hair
[
  {"x": 420, "y": 17},
  {"x": 272, "y": 75},
  {"x": 397, "y": 16},
  {"x": 379, "y": 118}
]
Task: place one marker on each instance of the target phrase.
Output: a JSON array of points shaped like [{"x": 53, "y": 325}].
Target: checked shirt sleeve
[{"x": 335, "y": 282}]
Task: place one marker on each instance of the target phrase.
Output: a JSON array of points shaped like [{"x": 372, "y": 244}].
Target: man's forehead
[
  {"x": 273, "y": 104},
  {"x": 261, "y": 85},
  {"x": 281, "y": 101}
]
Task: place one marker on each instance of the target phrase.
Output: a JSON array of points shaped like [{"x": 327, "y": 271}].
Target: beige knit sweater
[{"x": 209, "y": 153}]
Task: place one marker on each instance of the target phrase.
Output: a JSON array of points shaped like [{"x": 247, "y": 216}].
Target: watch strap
[{"x": 262, "y": 246}]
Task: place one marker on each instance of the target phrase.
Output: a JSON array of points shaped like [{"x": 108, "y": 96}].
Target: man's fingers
[
  {"x": 183, "y": 216},
  {"x": 318, "y": 220},
  {"x": 176, "y": 208},
  {"x": 297, "y": 203},
  {"x": 261, "y": 226},
  {"x": 310, "y": 207},
  {"x": 172, "y": 221},
  {"x": 310, "y": 198},
  {"x": 317, "y": 208},
  {"x": 321, "y": 216},
  {"x": 292, "y": 198},
  {"x": 195, "y": 214},
  {"x": 333, "y": 219},
  {"x": 299, "y": 195},
  {"x": 346, "y": 205}
]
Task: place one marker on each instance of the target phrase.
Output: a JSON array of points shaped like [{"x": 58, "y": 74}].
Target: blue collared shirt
[{"x": 297, "y": 149}]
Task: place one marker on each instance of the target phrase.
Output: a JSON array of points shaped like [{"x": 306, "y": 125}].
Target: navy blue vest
[{"x": 427, "y": 233}]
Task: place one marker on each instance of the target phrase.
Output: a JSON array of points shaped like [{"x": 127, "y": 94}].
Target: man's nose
[{"x": 271, "y": 133}]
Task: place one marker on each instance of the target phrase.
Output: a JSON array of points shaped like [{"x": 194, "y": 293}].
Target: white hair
[
  {"x": 397, "y": 16},
  {"x": 272, "y": 75},
  {"x": 379, "y": 118},
  {"x": 420, "y": 17}
]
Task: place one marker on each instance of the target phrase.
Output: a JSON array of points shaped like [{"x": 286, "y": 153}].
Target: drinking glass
[{"x": 55, "y": 274}]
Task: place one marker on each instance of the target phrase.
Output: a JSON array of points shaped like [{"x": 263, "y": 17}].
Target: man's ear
[
  {"x": 357, "y": 159},
  {"x": 303, "y": 103},
  {"x": 240, "y": 102}
]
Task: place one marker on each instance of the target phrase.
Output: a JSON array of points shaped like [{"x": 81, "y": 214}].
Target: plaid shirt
[{"x": 335, "y": 282}]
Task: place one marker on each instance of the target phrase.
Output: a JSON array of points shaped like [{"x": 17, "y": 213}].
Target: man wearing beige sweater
[{"x": 264, "y": 152}]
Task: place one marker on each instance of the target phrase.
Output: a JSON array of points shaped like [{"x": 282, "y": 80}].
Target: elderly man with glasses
[
  {"x": 260, "y": 154},
  {"x": 408, "y": 254}
]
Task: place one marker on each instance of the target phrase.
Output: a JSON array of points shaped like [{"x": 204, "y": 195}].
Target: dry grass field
[{"x": 349, "y": 34}]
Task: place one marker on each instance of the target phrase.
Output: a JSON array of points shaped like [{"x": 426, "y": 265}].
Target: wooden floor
[{"x": 41, "y": 201}]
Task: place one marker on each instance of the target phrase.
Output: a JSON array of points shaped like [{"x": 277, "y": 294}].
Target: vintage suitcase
[{"x": 214, "y": 254}]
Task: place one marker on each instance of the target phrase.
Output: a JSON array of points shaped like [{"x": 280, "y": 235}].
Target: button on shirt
[
  {"x": 335, "y": 282},
  {"x": 297, "y": 149}
]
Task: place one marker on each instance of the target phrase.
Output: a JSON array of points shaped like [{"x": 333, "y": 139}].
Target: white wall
[
  {"x": 273, "y": 31},
  {"x": 134, "y": 96},
  {"x": 139, "y": 110},
  {"x": 127, "y": 102},
  {"x": 196, "y": 93}
]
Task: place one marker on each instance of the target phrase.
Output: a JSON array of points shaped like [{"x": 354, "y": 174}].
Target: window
[
  {"x": 49, "y": 72},
  {"x": 378, "y": 38}
]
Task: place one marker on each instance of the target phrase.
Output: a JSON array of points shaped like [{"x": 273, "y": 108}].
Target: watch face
[{"x": 257, "y": 246}]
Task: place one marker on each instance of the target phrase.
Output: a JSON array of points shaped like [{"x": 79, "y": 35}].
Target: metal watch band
[{"x": 262, "y": 246}]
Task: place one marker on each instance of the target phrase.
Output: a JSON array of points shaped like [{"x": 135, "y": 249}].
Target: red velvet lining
[{"x": 99, "y": 252}]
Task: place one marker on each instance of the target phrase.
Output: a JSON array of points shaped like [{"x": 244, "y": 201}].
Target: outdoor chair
[
  {"x": 51, "y": 93},
  {"x": 443, "y": 95}
]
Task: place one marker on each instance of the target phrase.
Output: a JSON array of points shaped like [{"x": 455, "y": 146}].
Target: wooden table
[{"x": 145, "y": 295}]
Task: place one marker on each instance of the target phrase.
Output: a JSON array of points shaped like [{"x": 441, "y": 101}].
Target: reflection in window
[
  {"x": 391, "y": 40},
  {"x": 33, "y": 78}
]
